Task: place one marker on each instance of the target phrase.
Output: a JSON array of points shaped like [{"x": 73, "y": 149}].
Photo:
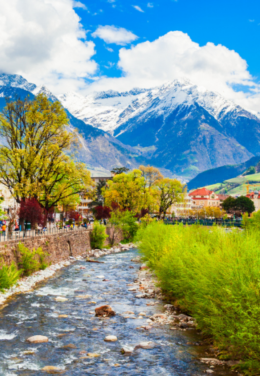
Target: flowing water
[{"x": 36, "y": 313}]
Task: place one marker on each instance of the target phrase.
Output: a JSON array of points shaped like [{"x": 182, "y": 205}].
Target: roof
[
  {"x": 252, "y": 195},
  {"x": 222, "y": 197},
  {"x": 201, "y": 192}
]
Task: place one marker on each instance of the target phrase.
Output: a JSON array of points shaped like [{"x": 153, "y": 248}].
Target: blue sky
[{"x": 234, "y": 24}]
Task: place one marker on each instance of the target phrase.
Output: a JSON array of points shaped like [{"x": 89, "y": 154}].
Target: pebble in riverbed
[
  {"x": 37, "y": 339},
  {"x": 52, "y": 370},
  {"x": 110, "y": 339}
]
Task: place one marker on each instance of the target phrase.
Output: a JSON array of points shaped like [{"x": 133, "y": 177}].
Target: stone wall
[{"x": 59, "y": 246}]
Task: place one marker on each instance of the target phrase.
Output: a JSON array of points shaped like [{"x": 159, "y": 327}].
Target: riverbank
[
  {"x": 27, "y": 284},
  {"x": 213, "y": 276},
  {"x": 147, "y": 287}
]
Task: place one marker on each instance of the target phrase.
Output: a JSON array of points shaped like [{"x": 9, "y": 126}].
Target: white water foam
[{"x": 5, "y": 336}]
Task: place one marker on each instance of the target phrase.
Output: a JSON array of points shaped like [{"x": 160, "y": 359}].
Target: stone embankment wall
[{"x": 59, "y": 246}]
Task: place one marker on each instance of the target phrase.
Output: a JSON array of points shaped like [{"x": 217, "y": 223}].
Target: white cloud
[
  {"x": 174, "y": 56},
  {"x": 110, "y": 49},
  {"x": 150, "y": 5},
  {"x": 44, "y": 41},
  {"x": 112, "y": 34},
  {"x": 251, "y": 20},
  {"x": 138, "y": 8},
  {"x": 78, "y": 4}
]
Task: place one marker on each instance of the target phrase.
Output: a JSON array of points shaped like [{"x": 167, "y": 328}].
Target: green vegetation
[
  {"x": 221, "y": 174},
  {"x": 31, "y": 261},
  {"x": 237, "y": 185},
  {"x": 9, "y": 275},
  {"x": 242, "y": 204},
  {"x": 214, "y": 276},
  {"x": 98, "y": 236}
]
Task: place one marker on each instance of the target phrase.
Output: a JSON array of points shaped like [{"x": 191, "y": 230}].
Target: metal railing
[
  {"x": 16, "y": 235},
  {"x": 206, "y": 222}
]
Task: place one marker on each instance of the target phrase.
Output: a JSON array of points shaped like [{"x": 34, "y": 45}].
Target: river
[{"x": 37, "y": 313}]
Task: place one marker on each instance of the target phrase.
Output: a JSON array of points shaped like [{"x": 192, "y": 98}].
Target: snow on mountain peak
[
  {"x": 107, "y": 110},
  {"x": 15, "y": 80}
]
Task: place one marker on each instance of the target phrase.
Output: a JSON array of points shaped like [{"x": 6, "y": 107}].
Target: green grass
[
  {"x": 213, "y": 187},
  {"x": 215, "y": 276}
]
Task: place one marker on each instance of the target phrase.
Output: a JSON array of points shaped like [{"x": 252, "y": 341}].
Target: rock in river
[
  {"x": 104, "y": 310},
  {"x": 145, "y": 345},
  {"x": 61, "y": 299},
  {"x": 52, "y": 370},
  {"x": 37, "y": 339},
  {"x": 110, "y": 339},
  {"x": 127, "y": 350}
]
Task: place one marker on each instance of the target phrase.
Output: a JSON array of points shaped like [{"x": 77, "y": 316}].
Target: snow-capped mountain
[
  {"x": 180, "y": 127},
  {"x": 108, "y": 110}
]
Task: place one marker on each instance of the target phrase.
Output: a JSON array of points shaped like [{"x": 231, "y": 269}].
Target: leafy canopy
[{"x": 33, "y": 158}]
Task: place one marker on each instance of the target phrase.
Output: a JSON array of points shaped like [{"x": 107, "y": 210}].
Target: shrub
[
  {"x": 214, "y": 275},
  {"x": 9, "y": 275},
  {"x": 98, "y": 236},
  {"x": 31, "y": 261},
  {"x": 126, "y": 221}
]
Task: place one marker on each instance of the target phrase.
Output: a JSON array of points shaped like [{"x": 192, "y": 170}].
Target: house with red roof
[{"x": 204, "y": 197}]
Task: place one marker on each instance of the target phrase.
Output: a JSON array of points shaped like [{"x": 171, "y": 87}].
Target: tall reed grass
[{"x": 215, "y": 276}]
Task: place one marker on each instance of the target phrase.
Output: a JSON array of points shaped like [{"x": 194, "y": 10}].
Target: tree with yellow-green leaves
[
  {"x": 33, "y": 156},
  {"x": 170, "y": 191},
  {"x": 129, "y": 191},
  {"x": 151, "y": 175}
]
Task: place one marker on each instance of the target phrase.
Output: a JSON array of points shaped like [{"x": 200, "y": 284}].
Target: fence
[
  {"x": 206, "y": 222},
  {"x": 16, "y": 235}
]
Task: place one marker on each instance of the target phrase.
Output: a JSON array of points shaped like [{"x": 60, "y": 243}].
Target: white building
[{"x": 9, "y": 201}]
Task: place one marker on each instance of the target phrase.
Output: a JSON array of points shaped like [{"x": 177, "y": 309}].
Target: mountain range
[{"x": 178, "y": 127}]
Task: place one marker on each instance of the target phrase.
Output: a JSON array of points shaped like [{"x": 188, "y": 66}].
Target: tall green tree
[
  {"x": 33, "y": 157},
  {"x": 170, "y": 192}
]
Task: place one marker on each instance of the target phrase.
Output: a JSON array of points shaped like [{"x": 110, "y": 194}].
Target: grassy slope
[{"x": 237, "y": 185}]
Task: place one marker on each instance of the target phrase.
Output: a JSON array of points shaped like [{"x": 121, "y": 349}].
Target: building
[
  {"x": 9, "y": 201},
  {"x": 255, "y": 197},
  {"x": 204, "y": 197},
  {"x": 184, "y": 208}
]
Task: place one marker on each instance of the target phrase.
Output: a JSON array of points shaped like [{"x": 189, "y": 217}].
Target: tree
[
  {"x": 33, "y": 158},
  {"x": 73, "y": 215},
  {"x": 31, "y": 211},
  {"x": 119, "y": 170},
  {"x": 129, "y": 191},
  {"x": 170, "y": 192},
  {"x": 98, "y": 194},
  {"x": 211, "y": 212},
  {"x": 102, "y": 212},
  {"x": 229, "y": 204},
  {"x": 151, "y": 175},
  {"x": 245, "y": 205}
]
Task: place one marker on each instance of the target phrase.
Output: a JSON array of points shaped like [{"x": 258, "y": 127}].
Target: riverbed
[{"x": 74, "y": 331}]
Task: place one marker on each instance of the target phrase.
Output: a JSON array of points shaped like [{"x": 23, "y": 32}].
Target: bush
[
  {"x": 214, "y": 275},
  {"x": 9, "y": 275},
  {"x": 31, "y": 261},
  {"x": 98, "y": 236},
  {"x": 126, "y": 221}
]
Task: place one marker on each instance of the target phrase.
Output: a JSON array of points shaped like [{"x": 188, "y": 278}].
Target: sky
[{"x": 88, "y": 45}]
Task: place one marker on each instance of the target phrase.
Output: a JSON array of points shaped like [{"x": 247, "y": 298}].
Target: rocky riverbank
[
  {"x": 145, "y": 287},
  {"x": 27, "y": 284}
]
